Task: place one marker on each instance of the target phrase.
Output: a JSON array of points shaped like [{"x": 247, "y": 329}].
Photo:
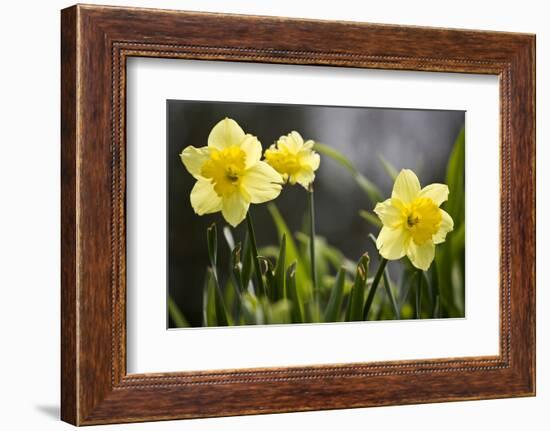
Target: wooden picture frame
[{"x": 95, "y": 43}]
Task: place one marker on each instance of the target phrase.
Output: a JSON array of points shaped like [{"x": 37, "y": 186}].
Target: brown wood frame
[{"x": 95, "y": 43}]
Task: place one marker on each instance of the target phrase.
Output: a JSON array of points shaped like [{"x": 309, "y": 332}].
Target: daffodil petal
[
  {"x": 253, "y": 149},
  {"x": 225, "y": 134},
  {"x": 193, "y": 159},
  {"x": 406, "y": 187},
  {"x": 388, "y": 213},
  {"x": 234, "y": 208},
  {"x": 304, "y": 177},
  {"x": 308, "y": 145},
  {"x": 312, "y": 160},
  {"x": 292, "y": 142},
  {"x": 446, "y": 226},
  {"x": 204, "y": 198},
  {"x": 261, "y": 183},
  {"x": 421, "y": 256},
  {"x": 392, "y": 243},
  {"x": 438, "y": 193}
]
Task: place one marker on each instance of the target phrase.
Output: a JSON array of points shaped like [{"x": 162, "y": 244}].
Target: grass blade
[
  {"x": 389, "y": 292},
  {"x": 292, "y": 253},
  {"x": 371, "y": 218},
  {"x": 246, "y": 271},
  {"x": 357, "y": 295},
  {"x": 236, "y": 268},
  {"x": 336, "y": 296},
  {"x": 368, "y": 187},
  {"x": 209, "y": 300},
  {"x": 279, "y": 312},
  {"x": 374, "y": 287},
  {"x": 228, "y": 237},
  {"x": 176, "y": 315},
  {"x": 388, "y": 167},
  {"x": 418, "y": 307},
  {"x": 212, "y": 240},
  {"x": 280, "y": 267},
  {"x": 268, "y": 272},
  {"x": 297, "y": 306},
  {"x": 255, "y": 255}
]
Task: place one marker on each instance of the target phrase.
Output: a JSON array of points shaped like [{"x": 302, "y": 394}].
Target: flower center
[
  {"x": 422, "y": 218},
  {"x": 225, "y": 168},
  {"x": 283, "y": 161}
]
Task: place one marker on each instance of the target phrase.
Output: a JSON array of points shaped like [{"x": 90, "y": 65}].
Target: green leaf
[
  {"x": 253, "y": 313},
  {"x": 389, "y": 292},
  {"x": 456, "y": 180},
  {"x": 176, "y": 315},
  {"x": 221, "y": 312},
  {"x": 228, "y": 237},
  {"x": 212, "y": 241},
  {"x": 418, "y": 292},
  {"x": 278, "y": 312},
  {"x": 335, "y": 301},
  {"x": 325, "y": 254},
  {"x": 297, "y": 305},
  {"x": 357, "y": 295},
  {"x": 303, "y": 280},
  {"x": 321, "y": 254},
  {"x": 280, "y": 271},
  {"x": 450, "y": 254},
  {"x": 209, "y": 300},
  {"x": 269, "y": 251},
  {"x": 236, "y": 267},
  {"x": 368, "y": 186},
  {"x": 268, "y": 272},
  {"x": 246, "y": 272},
  {"x": 374, "y": 287},
  {"x": 434, "y": 282},
  {"x": 388, "y": 167},
  {"x": 371, "y": 218}
]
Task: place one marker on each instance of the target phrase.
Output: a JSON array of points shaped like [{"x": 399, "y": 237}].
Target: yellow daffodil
[
  {"x": 229, "y": 173},
  {"x": 412, "y": 221},
  {"x": 294, "y": 159}
]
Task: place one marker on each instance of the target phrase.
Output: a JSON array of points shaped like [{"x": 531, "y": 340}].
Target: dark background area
[{"x": 417, "y": 139}]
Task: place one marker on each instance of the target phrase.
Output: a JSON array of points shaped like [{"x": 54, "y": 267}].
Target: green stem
[
  {"x": 373, "y": 287},
  {"x": 419, "y": 294},
  {"x": 389, "y": 292},
  {"x": 312, "y": 242},
  {"x": 257, "y": 268}
]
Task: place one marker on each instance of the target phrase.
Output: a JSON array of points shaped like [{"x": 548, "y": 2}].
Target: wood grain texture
[{"x": 96, "y": 41}]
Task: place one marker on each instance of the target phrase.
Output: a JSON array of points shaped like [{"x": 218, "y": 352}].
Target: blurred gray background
[{"x": 417, "y": 139}]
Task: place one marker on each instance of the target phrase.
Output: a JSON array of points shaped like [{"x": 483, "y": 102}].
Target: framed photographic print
[{"x": 325, "y": 214}]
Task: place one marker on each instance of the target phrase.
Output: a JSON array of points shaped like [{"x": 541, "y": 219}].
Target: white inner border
[{"x": 153, "y": 348}]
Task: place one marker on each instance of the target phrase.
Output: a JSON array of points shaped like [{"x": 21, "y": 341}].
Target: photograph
[{"x": 305, "y": 214}]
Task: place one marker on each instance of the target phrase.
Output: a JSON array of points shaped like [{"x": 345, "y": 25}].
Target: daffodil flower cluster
[{"x": 231, "y": 175}]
